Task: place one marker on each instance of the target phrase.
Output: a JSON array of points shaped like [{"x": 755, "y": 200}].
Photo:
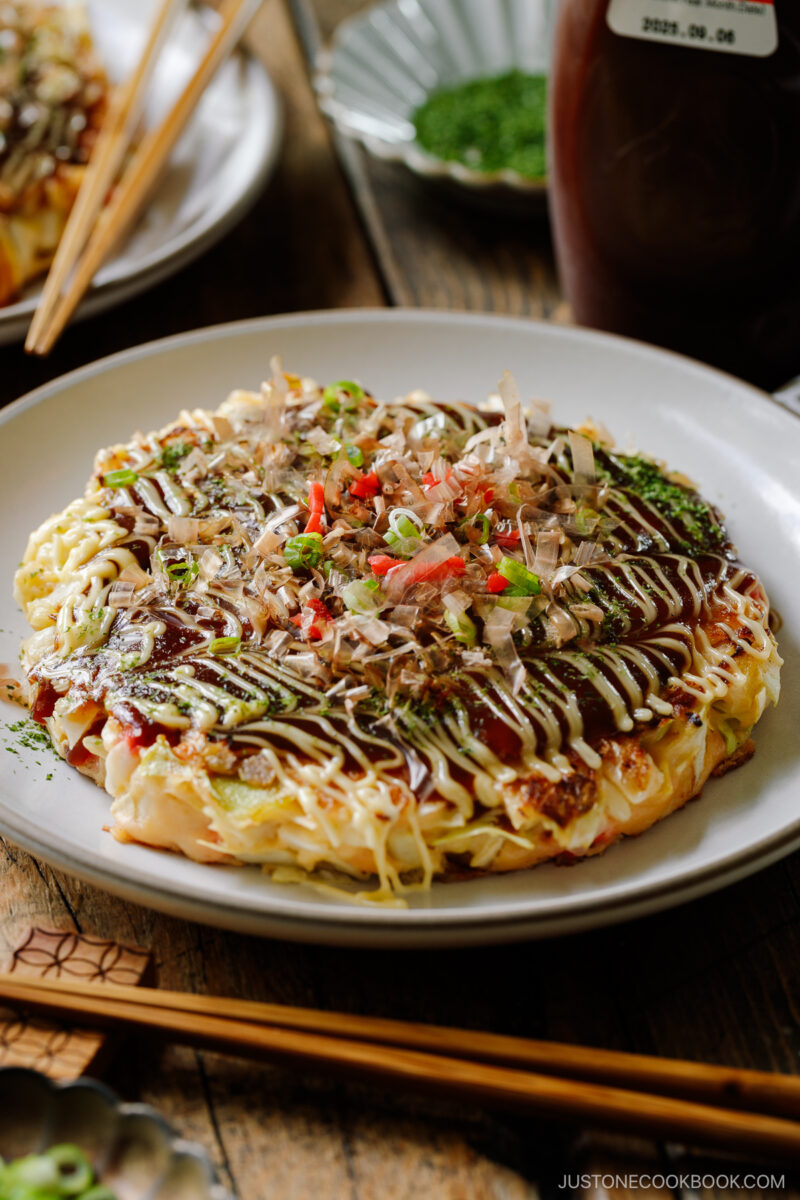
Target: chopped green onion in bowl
[{"x": 63, "y": 1170}]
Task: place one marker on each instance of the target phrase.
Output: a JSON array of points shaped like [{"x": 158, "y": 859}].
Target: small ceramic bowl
[
  {"x": 384, "y": 62},
  {"x": 133, "y": 1150}
]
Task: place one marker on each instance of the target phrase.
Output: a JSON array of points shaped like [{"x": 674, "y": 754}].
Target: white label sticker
[{"x": 733, "y": 26}]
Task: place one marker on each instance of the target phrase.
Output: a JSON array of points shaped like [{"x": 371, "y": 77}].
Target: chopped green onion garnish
[
  {"x": 406, "y": 522},
  {"x": 403, "y": 547},
  {"x": 224, "y": 645},
  {"x": 183, "y": 572},
  {"x": 462, "y": 626},
  {"x": 586, "y": 519},
  {"x": 363, "y": 596},
  {"x": 405, "y": 533},
  {"x": 514, "y": 599},
  {"x": 405, "y": 527},
  {"x": 520, "y": 577},
  {"x": 172, "y": 454},
  {"x": 333, "y": 395},
  {"x": 481, "y": 525},
  {"x": 304, "y": 551},
  {"x": 122, "y": 478},
  {"x": 355, "y": 454}
]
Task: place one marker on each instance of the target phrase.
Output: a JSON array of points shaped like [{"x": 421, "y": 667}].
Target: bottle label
[{"x": 731, "y": 26}]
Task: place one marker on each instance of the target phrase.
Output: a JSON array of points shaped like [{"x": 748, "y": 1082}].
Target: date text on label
[{"x": 731, "y": 26}]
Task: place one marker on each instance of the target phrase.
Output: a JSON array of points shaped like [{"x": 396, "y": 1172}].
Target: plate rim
[
  {"x": 418, "y": 928},
  {"x": 358, "y": 925}
]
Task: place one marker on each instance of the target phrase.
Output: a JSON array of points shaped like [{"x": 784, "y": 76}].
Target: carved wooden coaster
[{"x": 50, "y": 1046}]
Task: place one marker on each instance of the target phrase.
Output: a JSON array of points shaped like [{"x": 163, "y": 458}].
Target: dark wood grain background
[{"x": 718, "y": 979}]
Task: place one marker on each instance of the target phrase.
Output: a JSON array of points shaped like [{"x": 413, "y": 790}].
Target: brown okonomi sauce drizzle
[{"x": 457, "y": 597}]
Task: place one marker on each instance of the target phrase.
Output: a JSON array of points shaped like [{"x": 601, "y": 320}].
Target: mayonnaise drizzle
[{"x": 575, "y": 682}]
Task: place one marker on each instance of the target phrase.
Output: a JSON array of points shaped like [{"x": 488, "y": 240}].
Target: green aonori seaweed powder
[{"x": 492, "y": 124}]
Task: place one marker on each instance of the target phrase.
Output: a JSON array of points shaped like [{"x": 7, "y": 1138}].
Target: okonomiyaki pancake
[{"x": 395, "y": 641}]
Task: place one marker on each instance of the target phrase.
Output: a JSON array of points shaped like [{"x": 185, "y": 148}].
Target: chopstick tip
[{"x": 37, "y": 347}]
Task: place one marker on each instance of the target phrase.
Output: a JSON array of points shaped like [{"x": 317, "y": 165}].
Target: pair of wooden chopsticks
[
  {"x": 93, "y": 230},
  {"x": 735, "y": 1110}
]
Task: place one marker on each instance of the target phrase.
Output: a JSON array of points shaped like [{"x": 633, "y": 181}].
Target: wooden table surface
[{"x": 718, "y": 979}]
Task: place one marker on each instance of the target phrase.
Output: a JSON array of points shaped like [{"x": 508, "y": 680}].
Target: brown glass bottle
[{"x": 675, "y": 190}]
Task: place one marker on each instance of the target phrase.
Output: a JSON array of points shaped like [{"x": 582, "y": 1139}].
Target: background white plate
[
  {"x": 216, "y": 170},
  {"x": 742, "y": 447}
]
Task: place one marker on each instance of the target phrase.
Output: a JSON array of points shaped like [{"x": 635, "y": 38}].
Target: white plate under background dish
[
  {"x": 384, "y": 62},
  {"x": 742, "y": 448},
  {"x": 216, "y": 170}
]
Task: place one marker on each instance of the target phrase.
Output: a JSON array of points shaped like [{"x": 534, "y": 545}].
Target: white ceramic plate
[
  {"x": 742, "y": 447},
  {"x": 216, "y": 170}
]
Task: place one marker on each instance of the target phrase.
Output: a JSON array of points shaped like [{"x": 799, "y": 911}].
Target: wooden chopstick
[
  {"x": 141, "y": 175},
  {"x": 353, "y": 1046},
  {"x": 704, "y": 1083},
  {"x": 113, "y": 141}
]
